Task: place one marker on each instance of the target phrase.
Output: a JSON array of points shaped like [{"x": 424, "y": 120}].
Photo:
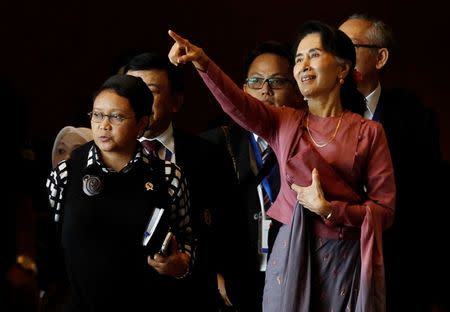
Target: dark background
[{"x": 56, "y": 53}]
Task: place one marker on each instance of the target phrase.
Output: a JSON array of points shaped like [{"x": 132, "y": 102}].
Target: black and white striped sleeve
[
  {"x": 180, "y": 205},
  {"x": 55, "y": 185}
]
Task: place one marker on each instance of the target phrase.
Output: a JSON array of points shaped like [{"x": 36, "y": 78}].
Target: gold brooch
[{"x": 149, "y": 186}]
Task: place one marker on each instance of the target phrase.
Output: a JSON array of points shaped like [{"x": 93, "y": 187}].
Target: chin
[
  {"x": 151, "y": 133},
  {"x": 156, "y": 130},
  {"x": 305, "y": 93},
  {"x": 104, "y": 147}
]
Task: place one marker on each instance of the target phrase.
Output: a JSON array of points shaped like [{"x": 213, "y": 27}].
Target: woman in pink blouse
[{"x": 337, "y": 185}]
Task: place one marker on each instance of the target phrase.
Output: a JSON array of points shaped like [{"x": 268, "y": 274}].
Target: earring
[{"x": 341, "y": 80}]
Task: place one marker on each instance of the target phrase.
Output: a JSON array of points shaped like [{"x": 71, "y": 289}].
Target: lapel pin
[{"x": 149, "y": 186}]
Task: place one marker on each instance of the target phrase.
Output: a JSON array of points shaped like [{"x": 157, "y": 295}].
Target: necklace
[{"x": 330, "y": 139}]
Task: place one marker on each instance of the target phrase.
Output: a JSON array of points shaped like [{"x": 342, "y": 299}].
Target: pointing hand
[{"x": 183, "y": 51}]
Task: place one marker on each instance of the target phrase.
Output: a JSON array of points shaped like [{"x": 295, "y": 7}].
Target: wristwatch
[{"x": 27, "y": 263}]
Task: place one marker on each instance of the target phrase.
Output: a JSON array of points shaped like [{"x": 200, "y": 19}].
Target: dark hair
[
  {"x": 340, "y": 45},
  {"x": 271, "y": 47},
  {"x": 134, "y": 90},
  {"x": 151, "y": 60}
]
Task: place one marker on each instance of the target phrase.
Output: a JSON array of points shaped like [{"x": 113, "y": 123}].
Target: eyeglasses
[
  {"x": 368, "y": 46},
  {"x": 274, "y": 83},
  {"x": 114, "y": 119}
]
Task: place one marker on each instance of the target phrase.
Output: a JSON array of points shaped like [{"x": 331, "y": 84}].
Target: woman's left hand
[
  {"x": 311, "y": 197},
  {"x": 176, "y": 264}
]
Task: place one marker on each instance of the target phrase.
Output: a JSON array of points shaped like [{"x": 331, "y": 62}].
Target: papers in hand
[{"x": 152, "y": 225}]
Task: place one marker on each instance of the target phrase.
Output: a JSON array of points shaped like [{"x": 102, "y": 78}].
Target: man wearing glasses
[
  {"x": 269, "y": 79},
  {"x": 412, "y": 134}
]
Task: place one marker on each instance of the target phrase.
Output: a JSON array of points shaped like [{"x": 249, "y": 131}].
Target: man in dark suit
[
  {"x": 208, "y": 172},
  {"x": 412, "y": 133},
  {"x": 269, "y": 78}
]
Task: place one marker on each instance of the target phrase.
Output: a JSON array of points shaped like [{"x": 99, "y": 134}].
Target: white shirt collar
[
  {"x": 166, "y": 139},
  {"x": 261, "y": 143},
  {"x": 372, "y": 102}
]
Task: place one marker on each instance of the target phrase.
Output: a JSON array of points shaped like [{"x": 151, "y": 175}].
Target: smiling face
[
  {"x": 115, "y": 136},
  {"x": 317, "y": 71}
]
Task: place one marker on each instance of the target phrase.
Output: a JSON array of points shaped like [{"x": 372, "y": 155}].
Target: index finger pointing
[{"x": 176, "y": 37}]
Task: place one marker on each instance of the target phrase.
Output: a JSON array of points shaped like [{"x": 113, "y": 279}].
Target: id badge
[
  {"x": 264, "y": 223},
  {"x": 264, "y": 226},
  {"x": 263, "y": 239}
]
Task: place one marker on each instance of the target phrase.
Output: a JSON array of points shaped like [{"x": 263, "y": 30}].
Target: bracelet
[
  {"x": 185, "y": 274},
  {"x": 328, "y": 216},
  {"x": 27, "y": 263}
]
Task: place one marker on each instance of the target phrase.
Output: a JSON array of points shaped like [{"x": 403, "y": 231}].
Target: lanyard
[{"x": 259, "y": 163}]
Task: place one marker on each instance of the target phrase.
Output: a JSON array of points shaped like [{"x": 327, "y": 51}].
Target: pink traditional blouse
[{"x": 355, "y": 169}]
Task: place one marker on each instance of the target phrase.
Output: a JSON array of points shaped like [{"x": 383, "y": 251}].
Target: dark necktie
[
  {"x": 266, "y": 154},
  {"x": 265, "y": 157},
  {"x": 152, "y": 147}
]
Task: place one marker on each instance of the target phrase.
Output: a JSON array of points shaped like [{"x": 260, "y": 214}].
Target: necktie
[
  {"x": 152, "y": 146},
  {"x": 264, "y": 155}
]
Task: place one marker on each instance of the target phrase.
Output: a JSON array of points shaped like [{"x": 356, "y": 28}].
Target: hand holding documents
[
  {"x": 165, "y": 247},
  {"x": 157, "y": 232}
]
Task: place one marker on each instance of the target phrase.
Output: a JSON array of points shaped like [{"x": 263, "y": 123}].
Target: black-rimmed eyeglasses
[
  {"x": 274, "y": 83},
  {"x": 368, "y": 46},
  {"x": 114, "y": 119}
]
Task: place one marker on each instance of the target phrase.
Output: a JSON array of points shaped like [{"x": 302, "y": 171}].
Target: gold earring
[{"x": 341, "y": 80}]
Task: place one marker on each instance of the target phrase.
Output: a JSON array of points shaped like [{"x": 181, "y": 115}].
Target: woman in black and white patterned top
[{"x": 103, "y": 198}]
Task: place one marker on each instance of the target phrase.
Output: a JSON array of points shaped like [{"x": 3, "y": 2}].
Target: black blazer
[
  {"x": 210, "y": 180},
  {"x": 413, "y": 137},
  {"x": 243, "y": 279}
]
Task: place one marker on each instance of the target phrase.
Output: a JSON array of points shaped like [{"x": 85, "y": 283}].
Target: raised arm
[
  {"x": 247, "y": 111},
  {"x": 183, "y": 52}
]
